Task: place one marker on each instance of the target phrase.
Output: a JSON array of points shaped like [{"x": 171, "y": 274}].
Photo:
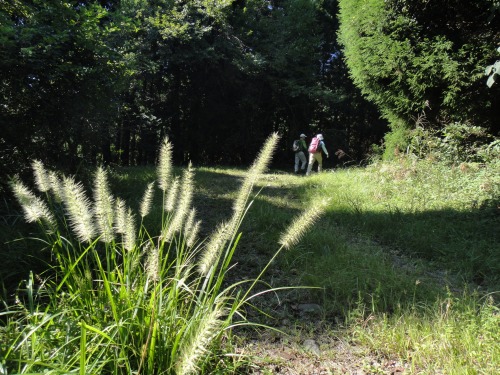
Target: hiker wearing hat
[
  {"x": 299, "y": 148},
  {"x": 316, "y": 148}
]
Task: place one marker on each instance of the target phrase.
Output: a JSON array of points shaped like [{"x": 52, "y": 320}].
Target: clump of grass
[
  {"x": 121, "y": 300},
  {"x": 407, "y": 233},
  {"x": 456, "y": 334}
]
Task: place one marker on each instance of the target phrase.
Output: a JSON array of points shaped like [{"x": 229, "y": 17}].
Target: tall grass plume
[
  {"x": 256, "y": 170},
  {"x": 182, "y": 207},
  {"x": 301, "y": 225},
  {"x": 130, "y": 233},
  {"x": 213, "y": 248},
  {"x": 79, "y": 210},
  {"x": 42, "y": 181},
  {"x": 172, "y": 195},
  {"x": 160, "y": 307},
  {"x": 103, "y": 206},
  {"x": 198, "y": 340},
  {"x": 120, "y": 216},
  {"x": 164, "y": 169},
  {"x": 34, "y": 208},
  {"x": 147, "y": 200}
]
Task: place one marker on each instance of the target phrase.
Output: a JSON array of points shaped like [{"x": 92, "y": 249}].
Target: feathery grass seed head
[
  {"x": 147, "y": 199},
  {"x": 129, "y": 237},
  {"x": 164, "y": 169},
  {"x": 152, "y": 262},
  {"x": 198, "y": 340},
  {"x": 42, "y": 181},
  {"x": 78, "y": 209},
  {"x": 56, "y": 186},
  {"x": 182, "y": 209},
  {"x": 192, "y": 236},
  {"x": 224, "y": 233},
  {"x": 172, "y": 195},
  {"x": 301, "y": 225},
  {"x": 190, "y": 221},
  {"x": 120, "y": 216},
  {"x": 34, "y": 208},
  {"x": 213, "y": 248},
  {"x": 256, "y": 170},
  {"x": 103, "y": 206},
  {"x": 254, "y": 173}
]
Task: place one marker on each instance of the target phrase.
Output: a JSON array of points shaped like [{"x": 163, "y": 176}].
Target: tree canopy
[
  {"x": 423, "y": 58},
  {"x": 86, "y": 82}
]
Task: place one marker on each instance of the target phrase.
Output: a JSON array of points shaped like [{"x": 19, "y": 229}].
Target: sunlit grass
[
  {"x": 121, "y": 299},
  {"x": 425, "y": 211},
  {"x": 396, "y": 239},
  {"x": 402, "y": 261},
  {"x": 454, "y": 335}
]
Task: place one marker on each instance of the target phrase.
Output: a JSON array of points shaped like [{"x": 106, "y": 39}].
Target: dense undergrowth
[
  {"x": 405, "y": 262},
  {"x": 119, "y": 299}
]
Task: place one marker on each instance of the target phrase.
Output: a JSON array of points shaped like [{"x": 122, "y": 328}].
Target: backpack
[
  {"x": 313, "y": 147},
  {"x": 296, "y": 145}
]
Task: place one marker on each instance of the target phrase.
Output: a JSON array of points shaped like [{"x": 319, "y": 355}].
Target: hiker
[
  {"x": 300, "y": 147},
  {"x": 316, "y": 148}
]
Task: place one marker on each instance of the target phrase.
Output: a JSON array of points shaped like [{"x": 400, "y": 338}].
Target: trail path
[{"x": 306, "y": 343}]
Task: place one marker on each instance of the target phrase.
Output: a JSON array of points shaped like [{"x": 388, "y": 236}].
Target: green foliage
[
  {"x": 409, "y": 58},
  {"x": 289, "y": 44},
  {"x": 103, "y": 81},
  {"x": 397, "y": 244},
  {"x": 58, "y": 75},
  {"x": 121, "y": 300},
  {"x": 454, "y": 144},
  {"x": 463, "y": 143},
  {"x": 441, "y": 336},
  {"x": 395, "y": 141}
]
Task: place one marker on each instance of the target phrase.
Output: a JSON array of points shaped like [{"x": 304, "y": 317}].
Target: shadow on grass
[
  {"x": 466, "y": 242},
  {"x": 393, "y": 260},
  {"x": 355, "y": 256}
]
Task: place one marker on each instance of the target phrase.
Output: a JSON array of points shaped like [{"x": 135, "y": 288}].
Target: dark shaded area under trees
[
  {"x": 89, "y": 82},
  {"x": 86, "y": 82}
]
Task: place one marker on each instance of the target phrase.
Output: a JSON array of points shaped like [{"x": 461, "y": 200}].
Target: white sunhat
[
  {"x": 302, "y": 135},
  {"x": 320, "y": 137}
]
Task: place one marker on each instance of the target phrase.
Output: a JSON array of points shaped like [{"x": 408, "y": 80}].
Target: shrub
[{"x": 454, "y": 144}]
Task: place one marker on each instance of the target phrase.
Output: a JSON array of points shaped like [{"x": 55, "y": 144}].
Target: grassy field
[{"x": 404, "y": 263}]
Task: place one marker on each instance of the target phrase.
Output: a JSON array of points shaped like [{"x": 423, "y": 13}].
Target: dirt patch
[{"x": 291, "y": 356}]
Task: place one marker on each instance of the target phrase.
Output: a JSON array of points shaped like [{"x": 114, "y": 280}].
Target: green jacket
[{"x": 302, "y": 145}]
